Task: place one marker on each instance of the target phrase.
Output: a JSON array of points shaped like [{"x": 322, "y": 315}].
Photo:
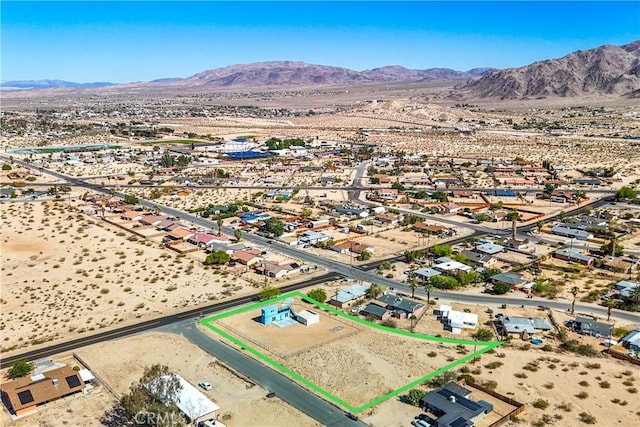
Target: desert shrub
[
  {"x": 490, "y": 384},
  {"x": 389, "y": 323},
  {"x": 632, "y": 390},
  {"x": 584, "y": 383},
  {"x": 564, "y": 406},
  {"x": 520, "y": 375},
  {"x": 605, "y": 384},
  {"x": 548, "y": 386},
  {"x": 582, "y": 395},
  {"x": 592, "y": 365},
  {"x": 587, "y": 418},
  {"x": 493, "y": 365},
  {"x": 540, "y": 404}
]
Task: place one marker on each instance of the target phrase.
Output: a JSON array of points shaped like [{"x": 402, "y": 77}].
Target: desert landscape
[{"x": 139, "y": 209}]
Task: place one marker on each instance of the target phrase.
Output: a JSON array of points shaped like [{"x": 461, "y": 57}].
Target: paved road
[{"x": 287, "y": 390}]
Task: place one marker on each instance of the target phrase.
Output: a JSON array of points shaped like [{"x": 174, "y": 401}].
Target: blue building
[{"x": 272, "y": 313}]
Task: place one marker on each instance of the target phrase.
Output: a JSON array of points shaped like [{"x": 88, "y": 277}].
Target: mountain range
[{"x": 605, "y": 70}]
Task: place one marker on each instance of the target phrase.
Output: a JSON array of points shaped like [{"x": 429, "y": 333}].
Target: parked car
[
  {"x": 271, "y": 394},
  {"x": 205, "y": 385}
]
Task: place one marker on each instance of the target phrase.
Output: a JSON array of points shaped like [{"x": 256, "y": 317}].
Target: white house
[
  {"x": 307, "y": 317},
  {"x": 457, "y": 320}
]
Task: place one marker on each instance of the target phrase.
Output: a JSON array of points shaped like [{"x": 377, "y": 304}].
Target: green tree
[
  {"x": 156, "y": 392},
  {"x": 274, "y": 226},
  {"x": 626, "y": 193},
  {"x": 20, "y": 368},
  {"x": 414, "y": 396},
  {"x": 468, "y": 277},
  {"x": 318, "y": 295},
  {"x": 634, "y": 295},
  {"x": 500, "y": 288},
  {"x": 398, "y": 186},
  {"x": 131, "y": 199},
  {"x": 612, "y": 248},
  {"x": 483, "y": 334},
  {"x": 440, "y": 196},
  {"x": 364, "y": 256},
  {"x": 441, "y": 250},
  {"x": 237, "y": 233},
  {"x": 268, "y": 292},
  {"x": 6, "y": 167},
  {"x": 217, "y": 258},
  {"x": 444, "y": 282},
  {"x": 443, "y": 379},
  {"x": 166, "y": 161},
  {"x": 512, "y": 216},
  {"x": 490, "y": 272},
  {"x": 375, "y": 291},
  {"x": 306, "y": 213}
]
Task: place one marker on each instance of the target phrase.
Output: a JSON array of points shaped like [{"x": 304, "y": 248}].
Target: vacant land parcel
[{"x": 354, "y": 363}]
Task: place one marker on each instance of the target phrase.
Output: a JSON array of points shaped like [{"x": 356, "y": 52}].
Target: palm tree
[
  {"x": 219, "y": 221},
  {"x": 610, "y": 304},
  {"x": 574, "y": 291},
  {"x": 413, "y": 284},
  {"x": 428, "y": 287}
]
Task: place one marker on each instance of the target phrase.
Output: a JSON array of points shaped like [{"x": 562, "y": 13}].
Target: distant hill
[
  {"x": 49, "y": 84},
  {"x": 290, "y": 73},
  {"x": 605, "y": 70}
]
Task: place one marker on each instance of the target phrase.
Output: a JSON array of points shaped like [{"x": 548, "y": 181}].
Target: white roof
[
  {"x": 86, "y": 375},
  {"x": 452, "y": 265},
  {"x": 445, "y": 308},
  {"x": 191, "y": 401},
  {"x": 306, "y": 314}
]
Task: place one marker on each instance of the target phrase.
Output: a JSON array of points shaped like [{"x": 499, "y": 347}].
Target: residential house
[
  {"x": 132, "y": 215},
  {"x": 452, "y": 268},
  {"x": 23, "y": 395},
  {"x": 353, "y": 210},
  {"x": 511, "y": 279},
  {"x": 625, "y": 288},
  {"x": 425, "y": 274},
  {"x": 587, "y": 326},
  {"x": 479, "y": 259},
  {"x": 350, "y": 246},
  {"x": 388, "y": 194},
  {"x": 312, "y": 237},
  {"x": 489, "y": 248},
  {"x": 423, "y": 227},
  {"x": 570, "y": 232},
  {"x": 631, "y": 341},
  {"x": 273, "y": 269},
  {"x": 448, "y": 208},
  {"x": 375, "y": 311},
  {"x": 453, "y": 408},
  {"x": 518, "y": 325},
  {"x": 203, "y": 240},
  {"x": 179, "y": 233},
  {"x": 455, "y": 321},
  {"x": 618, "y": 264},
  {"x": 387, "y": 218},
  {"x": 462, "y": 193},
  {"x": 402, "y": 307},
  {"x": 153, "y": 220},
  {"x": 574, "y": 255},
  {"x": 348, "y": 296},
  {"x": 248, "y": 257}
]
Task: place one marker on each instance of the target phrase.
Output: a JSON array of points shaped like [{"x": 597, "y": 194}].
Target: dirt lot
[
  {"x": 65, "y": 273},
  {"x": 357, "y": 367}
]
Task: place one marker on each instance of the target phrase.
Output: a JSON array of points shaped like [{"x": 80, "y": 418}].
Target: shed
[{"x": 307, "y": 317}]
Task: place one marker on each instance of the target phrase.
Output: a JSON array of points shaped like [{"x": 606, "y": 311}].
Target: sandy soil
[
  {"x": 356, "y": 367},
  {"x": 65, "y": 273}
]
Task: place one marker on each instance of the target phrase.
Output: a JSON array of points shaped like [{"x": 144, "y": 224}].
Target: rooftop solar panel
[
  {"x": 73, "y": 381},
  {"x": 25, "y": 397}
]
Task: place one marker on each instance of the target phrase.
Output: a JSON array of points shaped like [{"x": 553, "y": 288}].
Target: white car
[{"x": 205, "y": 385}]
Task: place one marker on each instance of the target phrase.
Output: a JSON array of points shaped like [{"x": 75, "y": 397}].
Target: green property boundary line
[{"x": 485, "y": 346}]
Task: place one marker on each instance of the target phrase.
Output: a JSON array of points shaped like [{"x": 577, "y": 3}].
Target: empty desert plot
[
  {"x": 65, "y": 273},
  {"x": 231, "y": 392},
  {"x": 356, "y": 366},
  {"x": 294, "y": 339}
]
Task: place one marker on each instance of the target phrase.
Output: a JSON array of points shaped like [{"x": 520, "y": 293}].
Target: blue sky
[{"x": 122, "y": 41}]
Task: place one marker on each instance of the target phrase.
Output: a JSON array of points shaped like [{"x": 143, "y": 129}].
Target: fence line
[{"x": 97, "y": 377}]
